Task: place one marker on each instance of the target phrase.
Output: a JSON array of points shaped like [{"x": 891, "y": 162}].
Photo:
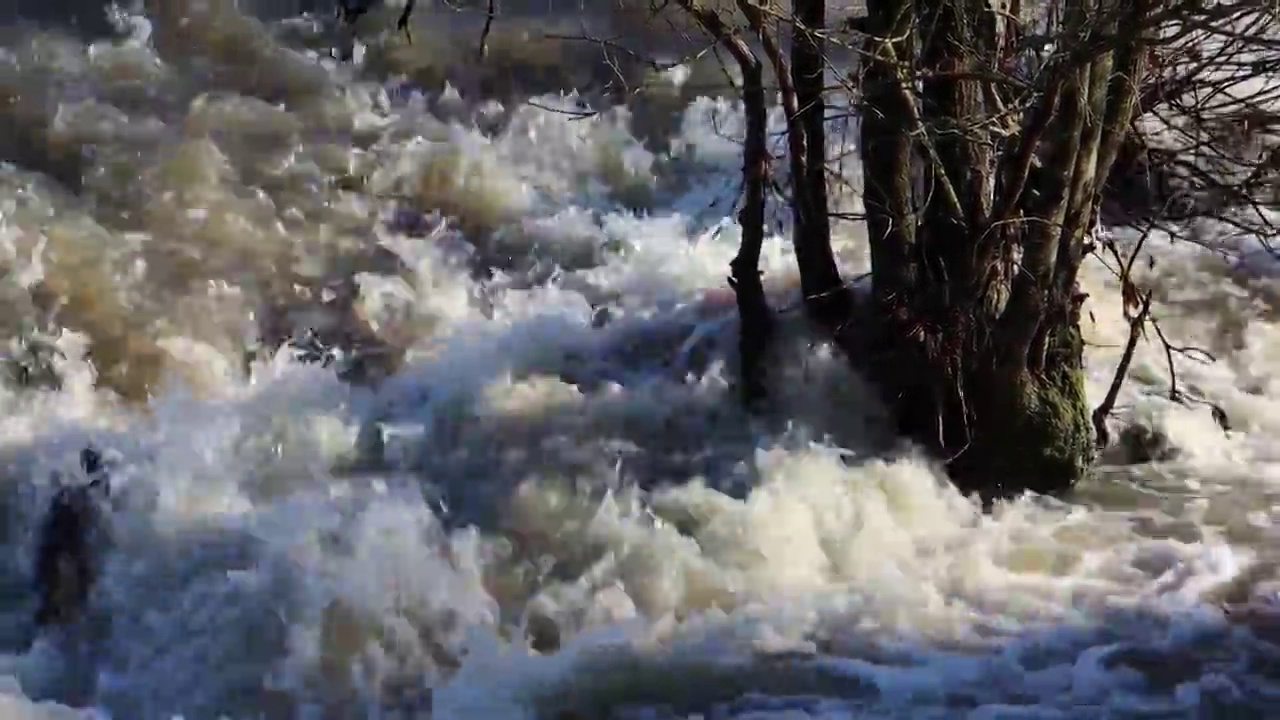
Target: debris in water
[{"x": 66, "y": 557}]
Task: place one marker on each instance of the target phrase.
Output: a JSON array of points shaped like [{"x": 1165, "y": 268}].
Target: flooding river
[{"x": 515, "y": 509}]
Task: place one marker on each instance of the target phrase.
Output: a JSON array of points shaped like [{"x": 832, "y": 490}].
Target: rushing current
[{"x": 523, "y": 489}]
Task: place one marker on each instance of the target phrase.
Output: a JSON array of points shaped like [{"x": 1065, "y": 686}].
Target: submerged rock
[
  {"x": 1139, "y": 444},
  {"x": 326, "y": 327},
  {"x": 31, "y": 363}
]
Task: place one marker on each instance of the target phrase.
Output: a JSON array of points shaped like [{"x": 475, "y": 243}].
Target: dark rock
[
  {"x": 1140, "y": 444},
  {"x": 70, "y": 543},
  {"x": 543, "y": 634}
]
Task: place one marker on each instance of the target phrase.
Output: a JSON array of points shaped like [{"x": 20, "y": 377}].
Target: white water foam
[{"x": 537, "y": 516}]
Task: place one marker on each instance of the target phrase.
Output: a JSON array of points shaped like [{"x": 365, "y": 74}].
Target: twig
[
  {"x": 573, "y": 114},
  {"x": 1137, "y": 324},
  {"x": 1101, "y": 434},
  {"x": 483, "y": 52},
  {"x": 1179, "y": 396},
  {"x": 403, "y": 23}
]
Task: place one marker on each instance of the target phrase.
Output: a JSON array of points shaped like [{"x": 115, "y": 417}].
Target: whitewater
[{"x": 523, "y": 487}]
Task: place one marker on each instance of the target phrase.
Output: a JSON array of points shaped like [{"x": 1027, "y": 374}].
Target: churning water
[{"x": 551, "y": 506}]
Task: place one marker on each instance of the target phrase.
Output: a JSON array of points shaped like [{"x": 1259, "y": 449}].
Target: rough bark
[
  {"x": 978, "y": 231},
  {"x": 755, "y": 317},
  {"x": 753, "y": 309},
  {"x": 826, "y": 299},
  {"x": 979, "y": 195},
  {"x": 802, "y": 93}
]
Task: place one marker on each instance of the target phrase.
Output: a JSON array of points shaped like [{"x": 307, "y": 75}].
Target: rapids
[{"x": 537, "y": 498}]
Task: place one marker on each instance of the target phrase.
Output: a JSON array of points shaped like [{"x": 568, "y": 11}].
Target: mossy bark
[
  {"x": 983, "y": 163},
  {"x": 1000, "y": 427},
  {"x": 1030, "y": 433},
  {"x": 979, "y": 222}
]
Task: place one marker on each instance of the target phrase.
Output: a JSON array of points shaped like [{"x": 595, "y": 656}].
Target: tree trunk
[
  {"x": 826, "y": 300},
  {"x": 980, "y": 192},
  {"x": 755, "y": 317},
  {"x": 978, "y": 229}
]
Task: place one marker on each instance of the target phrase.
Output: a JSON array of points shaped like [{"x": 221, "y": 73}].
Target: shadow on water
[
  {"x": 86, "y": 18},
  {"x": 1126, "y": 664}
]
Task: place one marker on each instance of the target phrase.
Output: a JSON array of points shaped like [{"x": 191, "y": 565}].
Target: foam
[{"x": 536, "y": 513}]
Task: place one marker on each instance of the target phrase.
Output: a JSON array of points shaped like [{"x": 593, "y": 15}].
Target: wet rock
[
  {"x": 324, "y": 326},
  {"x": 30, "y": 364},
  {"x": 71, "y": 539},
  {"x": 543, "y": 634},
  {"x": 1139, "y": 444},
  {"x": 1159, "y": 668}
]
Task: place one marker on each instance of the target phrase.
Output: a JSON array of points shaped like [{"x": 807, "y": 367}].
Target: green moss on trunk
[
  {"x": 1001, "y": 428},
  {"x": 1030, "y": 433}
]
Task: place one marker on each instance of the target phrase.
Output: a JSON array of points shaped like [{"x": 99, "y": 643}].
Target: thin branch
[
  {"x": 491, "y": 13},
  {"x": 1102, "y": 436}
]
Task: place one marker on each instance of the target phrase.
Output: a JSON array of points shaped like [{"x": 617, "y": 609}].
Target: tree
[
  {"x": 978, "y": 282},
  {"x": 988, "y": 134}
]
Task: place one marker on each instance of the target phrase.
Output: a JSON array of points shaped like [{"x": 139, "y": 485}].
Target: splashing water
[{"x": 531, "y": 494}]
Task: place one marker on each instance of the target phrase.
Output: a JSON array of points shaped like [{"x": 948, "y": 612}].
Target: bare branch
[{"x": 491, "y": 13}]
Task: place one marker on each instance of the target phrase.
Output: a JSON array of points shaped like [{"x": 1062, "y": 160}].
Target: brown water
[{"x": 517, "y": 511}]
